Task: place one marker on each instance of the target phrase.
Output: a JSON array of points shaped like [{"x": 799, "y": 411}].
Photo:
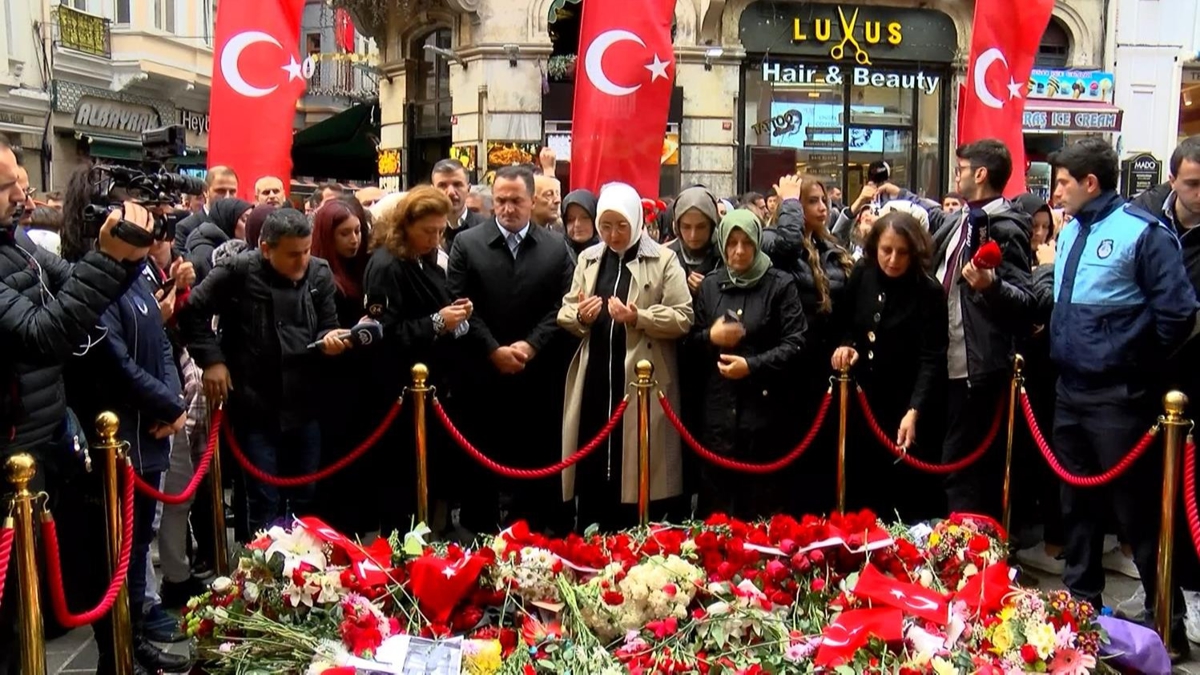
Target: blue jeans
[
  {"x": 294, "y": 452},
  {"x": 145, "y": 511}
]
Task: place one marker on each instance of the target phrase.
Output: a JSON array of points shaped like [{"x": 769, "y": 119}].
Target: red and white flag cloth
[
  {"x": 622, "y": 94},
  {"x": 907, "y": 597},
  {"x": 343, "y": 30},
  {"x": 257, "y": 78},
  {"x": 985, "y": 591},
  {"x": 1004, "y": 43},
  {"x": 851, "y": 630}
]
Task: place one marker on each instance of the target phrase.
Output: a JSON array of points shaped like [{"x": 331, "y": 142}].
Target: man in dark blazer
[
  {"x": 450, "y": 177},
  {"x": 516, "y": 274}
]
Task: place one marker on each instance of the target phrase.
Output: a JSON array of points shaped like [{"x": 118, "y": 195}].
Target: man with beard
[{"x": 515, "y": 273}]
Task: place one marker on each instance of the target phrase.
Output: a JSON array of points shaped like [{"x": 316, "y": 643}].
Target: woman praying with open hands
[{"x": 629, "y": 301}]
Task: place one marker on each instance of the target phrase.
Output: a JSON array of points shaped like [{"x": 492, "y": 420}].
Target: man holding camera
[{"x": 48, "y": 310}]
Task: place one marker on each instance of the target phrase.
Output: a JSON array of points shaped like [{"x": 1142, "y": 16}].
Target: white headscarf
[
  {"x": 624, "y": 200},
  {"x": 915, "y": 210},
  {"x": 385, "y": 204}
]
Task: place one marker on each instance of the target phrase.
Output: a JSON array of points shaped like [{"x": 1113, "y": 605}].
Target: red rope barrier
[
  {"x": 296, "y": 481},
  {"x": 746, "y": 467},
  {"x": 58, "y": 597},
  {"x": 929, "y": 467},
  {"x": 6, "y": 547},
  {"x": 1083, "y": 481},
  {"x": 1189, "y": 493},
  {"x": 197, "y": 478},
  {"x": 529, "y": 474}
]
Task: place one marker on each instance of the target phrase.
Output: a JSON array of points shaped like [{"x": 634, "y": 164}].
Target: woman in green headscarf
[{"x": 748, "y": 337}]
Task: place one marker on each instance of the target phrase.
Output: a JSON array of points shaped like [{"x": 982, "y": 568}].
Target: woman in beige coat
[{"x": 629, "y": 301}]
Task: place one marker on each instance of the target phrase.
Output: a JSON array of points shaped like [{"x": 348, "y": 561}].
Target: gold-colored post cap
[
  {"x": 1018, "y": 363},
  {"x": 420, "y": 374},
  {"x": 1175, "y": 402},
  {"x": 644, "y": 369},
  {"x": 20, "y": 469},
  {"x": 107, "y": 424}
]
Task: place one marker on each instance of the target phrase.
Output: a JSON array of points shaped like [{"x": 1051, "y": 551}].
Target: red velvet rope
[
  {"x": 296, "y": 481},
  {"x": 746, "y": 467},
  {"x": 6, "y": 546},
  {"x": 929, "y": 467},
  {"x": 1189, "y": 492},
  {"x": 1083, "y": 481},
  {"x": 529, "y": 474},
  {"x": 58, "y": 597},
  {"x": 197, "y": 478}
]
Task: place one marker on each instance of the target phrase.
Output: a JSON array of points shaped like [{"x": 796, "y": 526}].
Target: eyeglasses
[
  {"x": 29, "y": 192},
  {"x": 964, "y": 167}
]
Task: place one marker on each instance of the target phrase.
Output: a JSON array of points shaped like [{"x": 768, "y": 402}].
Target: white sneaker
[
  {"x": 1191, "y": 620},
  {"x": 1111, "y": 543},
  {"x": 1037, "y": 558},
  {"x": 1116, "y": 561},
  {"x": 1133, "y": 609}
]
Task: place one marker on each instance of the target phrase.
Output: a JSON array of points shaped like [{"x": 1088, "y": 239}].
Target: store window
[{"x": 1055, "y": 46}]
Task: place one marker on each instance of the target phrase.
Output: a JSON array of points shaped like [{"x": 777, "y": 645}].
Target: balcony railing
[
  {"x": 83, "y": 32},
  {"x": 342, "y": 79}
]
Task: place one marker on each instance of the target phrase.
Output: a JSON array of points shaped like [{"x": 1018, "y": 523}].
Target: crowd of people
[{"x": 531, "y": 309}]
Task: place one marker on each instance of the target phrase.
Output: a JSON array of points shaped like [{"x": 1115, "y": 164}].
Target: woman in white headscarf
[{"x": 629, "y": 301}]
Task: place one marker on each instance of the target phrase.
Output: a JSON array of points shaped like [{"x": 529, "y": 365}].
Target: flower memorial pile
[{"x": 840, "y": 595}]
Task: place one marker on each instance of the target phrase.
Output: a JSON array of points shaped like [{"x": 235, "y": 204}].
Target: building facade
[{"x": 762, "y": 86}]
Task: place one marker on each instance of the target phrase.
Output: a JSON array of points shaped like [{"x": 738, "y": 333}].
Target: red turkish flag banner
[
  {"x": 985, "y": 591},
  {"x": 851, "y": 630},
  {"x": 343, "y": 30},
  {"x": 257, "y": 78},
  {"x": 622, "y": 94},
  {"x": 904, "y": 596},
  {"x": 1004, "y": 43}
]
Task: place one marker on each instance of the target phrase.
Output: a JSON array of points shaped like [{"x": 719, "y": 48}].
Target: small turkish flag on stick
[
  {"x": 1004, "y": 42},
  {"x": 907, "y": 597},
  {"x": 622, "y": 94},
  {"x": 256, "y": 80}
]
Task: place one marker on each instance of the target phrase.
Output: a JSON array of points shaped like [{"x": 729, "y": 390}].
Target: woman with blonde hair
[
  {"x": 629, "y": 301},
  {"x": 406, "y": 292}
]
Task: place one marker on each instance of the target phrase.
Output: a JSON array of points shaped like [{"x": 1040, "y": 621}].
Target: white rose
[{"x": 222, "y": 585}]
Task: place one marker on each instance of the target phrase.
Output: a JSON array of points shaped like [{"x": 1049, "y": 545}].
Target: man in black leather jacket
[{"x": 49, "y": 309}]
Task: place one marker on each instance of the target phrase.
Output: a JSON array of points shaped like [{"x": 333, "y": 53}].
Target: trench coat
[{"x": 660, "y": 292}]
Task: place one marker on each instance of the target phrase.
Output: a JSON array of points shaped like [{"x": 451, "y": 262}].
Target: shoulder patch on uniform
[{"x": 1141, "y": 214}]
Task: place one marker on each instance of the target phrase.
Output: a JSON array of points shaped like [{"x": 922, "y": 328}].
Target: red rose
[
  {"x": 1029, "y": 654},
  {"x": 818, "y": 585},
  {"x": 817, "y": 557},
  {"x": 612, "y": 598},
  {"x": 979, "y": 543}
]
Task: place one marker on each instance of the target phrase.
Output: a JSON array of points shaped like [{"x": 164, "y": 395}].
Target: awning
[
  {"x": 1048, "y": 116},
  {"x": 112, "y": 147},
  {"x": 343, "y": 146}
]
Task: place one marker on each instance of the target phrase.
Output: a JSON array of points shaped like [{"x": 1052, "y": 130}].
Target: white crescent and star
[
  {"x": 923, "y": 604},
  {"x": 593, "y": 63},
  {"x": 982, "y": 64},
  {"x": 232, "y": 53},
  {"x": 849, "y": 634}
]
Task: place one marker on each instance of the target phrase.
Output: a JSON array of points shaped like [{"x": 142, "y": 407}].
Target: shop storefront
[
  {"x": 827, "y": 89},
  {"x": 1189, "y": 100},
  {"x": 1063, "y": 105},
  {"x": 102, "y": 125}
]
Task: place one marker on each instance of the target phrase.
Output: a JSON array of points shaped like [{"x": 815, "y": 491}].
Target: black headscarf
[
  {"x": 225, "y": 213},
  {"x": 1031, "y": 204},
  {"x": 585, "y": 200}
]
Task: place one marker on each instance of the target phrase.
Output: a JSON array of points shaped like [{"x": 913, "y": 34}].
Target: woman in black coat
[
  {"x": 694, "y": 224},
  {"x": 421, "y": 324},
  {"x": 748, "y": 335},
  {"x": 892, "y": 323},
  {"x": 579, "y": 217}
]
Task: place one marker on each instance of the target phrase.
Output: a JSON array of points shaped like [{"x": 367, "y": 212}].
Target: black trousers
[
  {"x": 970, "y": 411},
  {"x": 1093, "y": 430}
]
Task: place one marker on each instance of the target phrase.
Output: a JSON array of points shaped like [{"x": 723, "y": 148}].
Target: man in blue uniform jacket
[{"x": 1122, "y": 305}]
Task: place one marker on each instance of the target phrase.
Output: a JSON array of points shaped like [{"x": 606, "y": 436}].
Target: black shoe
[
  {"x": 152, "y": 658},
  {"x": 202, "y": 571},
  {"x": 175, "y": 594}
]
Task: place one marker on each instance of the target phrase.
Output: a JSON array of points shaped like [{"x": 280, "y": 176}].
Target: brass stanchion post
[
  {"x": 843, "y": 379},
  {"x": 420, "y": 389},
  {"x": 21, "y": 469},
  {"x": 1014, "y": 387},
  {"x": 645, "y": 371},
  {"x": 217, "y": 489},
  {"x": 1176, "y": 427},
  {"x": 114, "y": 456}
]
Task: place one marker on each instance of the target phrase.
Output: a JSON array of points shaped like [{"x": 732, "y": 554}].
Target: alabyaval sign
[{"x": 859, "y": 76}]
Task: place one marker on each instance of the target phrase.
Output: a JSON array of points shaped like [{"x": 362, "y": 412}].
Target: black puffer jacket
[
  {"x": 48, "y": 310},
  {"x": 220, "y": 228},
  {"x": 789, "y": 254},
  {"x": 267, "y": 322}
]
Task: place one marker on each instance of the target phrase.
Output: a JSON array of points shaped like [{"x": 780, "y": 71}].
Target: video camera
[{"x": 152, "y": 186}]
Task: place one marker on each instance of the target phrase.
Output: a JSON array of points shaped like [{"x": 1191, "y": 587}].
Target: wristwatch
[{"x": 439, "y": 323}]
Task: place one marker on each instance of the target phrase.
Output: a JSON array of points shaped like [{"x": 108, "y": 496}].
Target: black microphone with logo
[{"x": 363, "y": 334}]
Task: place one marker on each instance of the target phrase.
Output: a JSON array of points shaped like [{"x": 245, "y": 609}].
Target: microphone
[{"x": 361, "y": 335}]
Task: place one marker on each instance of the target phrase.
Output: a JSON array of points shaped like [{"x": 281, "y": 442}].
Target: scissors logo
[{"x": 839, "y": 50}]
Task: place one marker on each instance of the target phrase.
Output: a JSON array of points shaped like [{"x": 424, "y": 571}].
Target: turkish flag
[
  {"x": 851, "y": 630},
  {"x": 1004, "y": 43},
  {"x": 257, "y": 78},
  {"x": 907, "y": 597},
  {"x": 438, "y": 584},
  {"x": 622, "y": 94},
  {"x": 343, "y": 30},
  {"x": 985, "y": 591}
]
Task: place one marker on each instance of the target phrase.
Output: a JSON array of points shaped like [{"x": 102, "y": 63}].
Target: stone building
[{"x": 758, "y": 87}]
